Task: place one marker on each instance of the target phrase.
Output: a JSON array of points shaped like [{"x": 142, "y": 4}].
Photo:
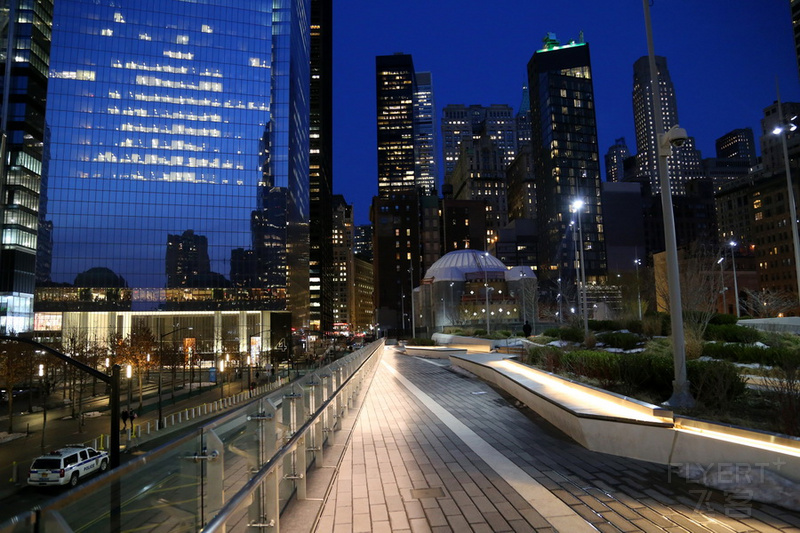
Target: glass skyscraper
[{"x": 179, "y": 156}]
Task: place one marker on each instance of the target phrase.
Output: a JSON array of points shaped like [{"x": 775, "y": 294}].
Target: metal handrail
[{"x": 217, "y": 523}]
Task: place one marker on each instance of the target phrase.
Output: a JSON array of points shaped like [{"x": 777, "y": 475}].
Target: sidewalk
[{"x": 435, "y": 450}]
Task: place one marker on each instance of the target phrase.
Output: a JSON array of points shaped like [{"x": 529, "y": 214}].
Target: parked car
[{"x": 67, "y": 466}]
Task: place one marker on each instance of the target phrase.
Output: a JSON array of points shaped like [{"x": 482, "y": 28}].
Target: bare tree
[
  {"x": 14, "y": 361},
  {"x": 701, "y": 284},
  {"x": 768, "y": 302}
]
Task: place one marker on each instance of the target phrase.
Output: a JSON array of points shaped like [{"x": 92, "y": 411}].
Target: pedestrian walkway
[{"x": 435, "y": 450}]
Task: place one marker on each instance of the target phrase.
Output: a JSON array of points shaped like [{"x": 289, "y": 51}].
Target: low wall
[
  {"x": 436, "y": 352},
  {"x": 446, "y": 338},
  {"x": 640, "y": 430}
]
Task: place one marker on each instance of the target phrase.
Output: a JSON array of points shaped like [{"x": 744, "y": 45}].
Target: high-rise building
[
  {"x": 615, "y": 160},
  {"x": 24, "y": 59},
  {"x": 396, "y": 88},
  {"x": 171, "y": 119},
  {"x": 427, "y": 171},
  {"x": 480, "y": 175},
  {"x": 321, "y": 269},
  {"x": 461, "y": 123},
  {"x": 737, "y": 144},
  {"x": 772, "y": 144},
  {"x": 344, "y": 287},
  {"x": 565, "y": 157},
  {"x": 795, "y": 8},
  {"x": 684, "y": 163},
  {"x": 362, "y": 241}
]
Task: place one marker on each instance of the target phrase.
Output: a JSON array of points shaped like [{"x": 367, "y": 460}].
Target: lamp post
[
  {"x": 578, "y": 205},
  {"x": 638, "y": 262},
  {"x": 129, "y": 375},
  {"x": 681, "y": 396},
  {"x": 735, "y": 282},
  {"x": 722, "y": 283},
  {"x": 411, "y": 289},
  {"x": 161, "y": 372},
  {"x": 781, "y": 130}
]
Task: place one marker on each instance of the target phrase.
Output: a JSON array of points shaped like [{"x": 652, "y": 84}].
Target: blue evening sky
[{"x": 723, "y": 55}]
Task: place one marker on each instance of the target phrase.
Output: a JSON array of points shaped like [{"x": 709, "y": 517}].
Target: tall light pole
[
  {"x": 681, "y": 396},
  {"x": 161, "y": 371},
  {"x": 411, "y": 287},
  {"x": 638, "y": 262},
  {"x": 735, "y": 282},
  {"x": 722, "y": 283},
  {"x": 486, "y": 288},
  {"x": 578, "y": 205},
  {"x": 781, "y": 130}
]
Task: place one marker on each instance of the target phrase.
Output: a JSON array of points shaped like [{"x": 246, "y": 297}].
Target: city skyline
[{"x": 712, "y": 43}]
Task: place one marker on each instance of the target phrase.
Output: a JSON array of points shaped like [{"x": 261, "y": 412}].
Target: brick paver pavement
[{"x": 435, "y": 450}]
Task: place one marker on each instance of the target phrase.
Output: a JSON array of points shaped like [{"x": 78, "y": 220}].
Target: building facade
[
  {"x": 615, "y": 160},
  {"x": 24, "y": 59},
  {"x": 684, "y": 163},
  {"x": 565, "y": 158},
  {"x": 167, "y": 118}
]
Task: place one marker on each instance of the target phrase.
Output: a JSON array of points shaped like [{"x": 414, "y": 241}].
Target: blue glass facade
[{"x": 178, "y": 168}]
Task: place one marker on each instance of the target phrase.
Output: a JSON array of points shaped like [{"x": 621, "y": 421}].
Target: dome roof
[{"x": 452, "y": 266}]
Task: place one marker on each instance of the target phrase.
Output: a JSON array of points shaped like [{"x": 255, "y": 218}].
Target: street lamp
[
  {"x": 733, "y": 245},
  {"x": 161, "y": 371},
  {"x": 577, "y": 206},
  {"x": 638, "y": 262},
  {"x": 722, "y": 283},
  {"x": 781, "y": 130},
  {"x": 681, "y": 396},
  {"x": 129, "y": 375}
]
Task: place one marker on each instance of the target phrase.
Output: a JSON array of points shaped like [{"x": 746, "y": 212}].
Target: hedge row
[{"x": 714, "y": 383}]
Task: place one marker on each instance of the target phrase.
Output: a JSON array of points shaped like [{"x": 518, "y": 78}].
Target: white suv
[{"x": 67, "y": 465}]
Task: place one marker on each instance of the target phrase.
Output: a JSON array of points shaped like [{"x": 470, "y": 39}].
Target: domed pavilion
[{"x": 464, "y": 288}]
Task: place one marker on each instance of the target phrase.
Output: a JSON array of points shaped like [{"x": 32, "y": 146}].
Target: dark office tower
[
  {"x": 615, "y": 160},
  {"x": 167, "y": 116},
  {"x": 425, "y": 134},
  {"x": 523, "y": 120},
  {"x": 321, "y": 166},
  {"x": 565, "y": 155},
  {"x": 44, "y": 242},
  {"x": 460, "y": 122},
  {"x": 771, "y": 144},
  {"x": 395, "y": 87},
  {"x": 362, "y": 241},
  {"x": 480, "y": 175},
  {"x": 684, "y": 163},
  {"x": 737, "y": 144},
  {"x": 795, "y": 7},
  {"x": 343, "y": 266},
  {"x": 24, "y": 58},
  {"x": 187, "y": 259}
]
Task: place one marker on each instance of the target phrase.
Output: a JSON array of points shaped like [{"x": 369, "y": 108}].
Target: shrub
[
  {"x": 634, "y": 326},
  {"x": 715, "y": 384},
  {"x": 599, "y": 365},
  {"x": 646, "y": 371},
  {"x": 784, "y": 383},
  {"x": 418, "y": 341},
  {"x": 547, "y": 357},
  {"x": 742, "y": 353},
  {"x": 724, "y": 320},
  {"x": 590, "y": 341},
  {"x": 732, "y": 333},
  {"x": 653, "y": 325},
  {"x": 604, "y": 325},
  {"x": 624, "y": 341},
  {"x": 566, "y": 333},
  {"x": 479, "y": 332}
]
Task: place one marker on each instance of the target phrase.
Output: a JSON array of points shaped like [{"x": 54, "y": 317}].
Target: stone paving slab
[{"x": 435, "y": 450}]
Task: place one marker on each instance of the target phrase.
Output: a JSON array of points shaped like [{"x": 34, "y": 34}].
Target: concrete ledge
[
  {"x": 613, "y": 424},
  {"x": 436, "y": 352}
]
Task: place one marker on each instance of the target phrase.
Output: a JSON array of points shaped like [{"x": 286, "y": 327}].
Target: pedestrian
[
  {"x": 526, "y": 329},
  {"x": 124, "y": 416}
]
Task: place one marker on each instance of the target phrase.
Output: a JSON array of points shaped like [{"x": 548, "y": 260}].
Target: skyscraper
[
  {"x": 684, "y": 163},
  {"x": 427, "y": 171},
  {"x": 321, "y": 268},
  {"x": 26, "y": 27},
  {"x": 396, "y": 88},
  {"x": 169, "y": 118},
  {"x": 615, "y": 160},
  {"x": 565, "y": 156},
  {"x": 737, "y": 144},
  {"x": 461, "y": 123}
]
